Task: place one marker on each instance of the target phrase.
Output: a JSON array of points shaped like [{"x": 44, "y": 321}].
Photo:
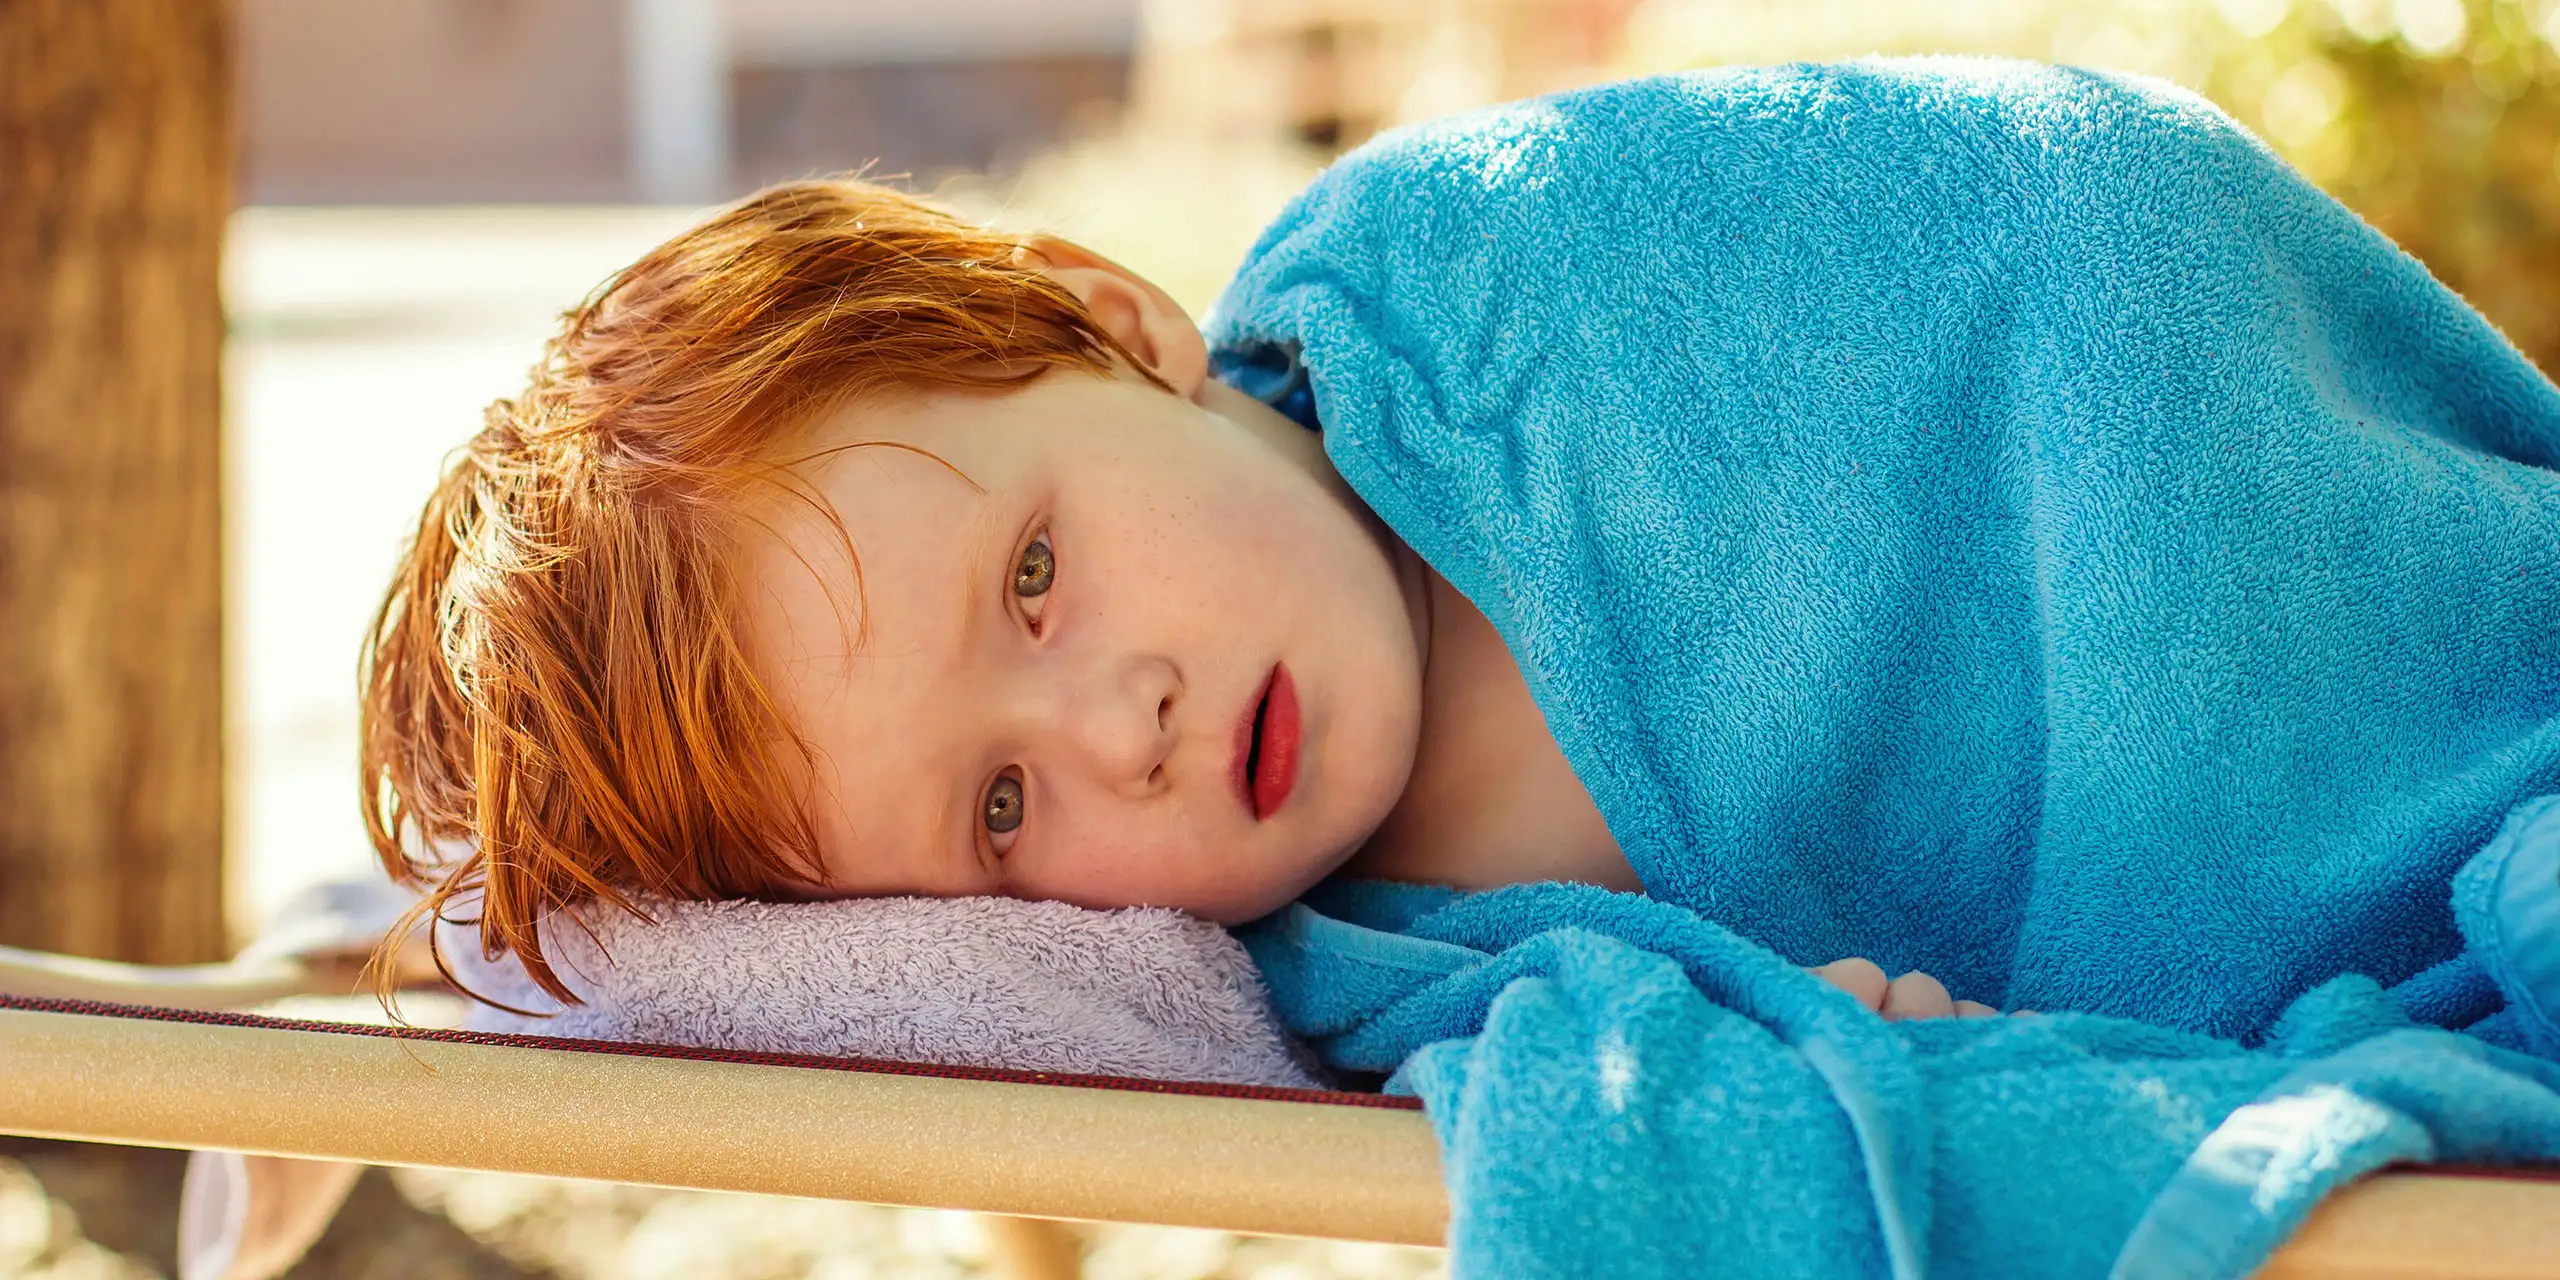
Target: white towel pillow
[{"x": 980, "y": 982}]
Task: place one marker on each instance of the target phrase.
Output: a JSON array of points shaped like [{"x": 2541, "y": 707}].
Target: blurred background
[{"x": 423, "y": 185}]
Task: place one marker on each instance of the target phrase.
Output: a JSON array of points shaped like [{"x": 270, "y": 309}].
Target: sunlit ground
[{"x": 69, "y": 1212}]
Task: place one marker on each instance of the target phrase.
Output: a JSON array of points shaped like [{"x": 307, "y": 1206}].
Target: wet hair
[{"x": 557, "y": 703}]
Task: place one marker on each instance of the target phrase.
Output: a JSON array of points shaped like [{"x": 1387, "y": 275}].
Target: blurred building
[
  {"x": 426, "y": 101},
  {"x": 1328, "y": 73}
]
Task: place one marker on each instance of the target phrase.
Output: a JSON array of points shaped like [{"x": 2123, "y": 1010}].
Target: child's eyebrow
[{"x": 974, "y": 554}]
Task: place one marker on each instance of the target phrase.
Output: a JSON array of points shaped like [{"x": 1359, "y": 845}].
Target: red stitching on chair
[{"x": 878, "y": 1066}]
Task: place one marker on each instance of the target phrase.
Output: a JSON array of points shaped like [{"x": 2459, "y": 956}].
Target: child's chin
[{"x": 1236, "y": 909}]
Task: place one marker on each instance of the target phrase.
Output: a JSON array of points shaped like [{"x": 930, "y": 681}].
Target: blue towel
[
  {"x": 1622, "y": 1088},
  {"x": 1991, "y": 518},
  {"x": 1994, "y": 519}
]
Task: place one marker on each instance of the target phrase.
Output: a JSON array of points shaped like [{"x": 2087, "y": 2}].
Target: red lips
[{"x": 1266, "y": 764}]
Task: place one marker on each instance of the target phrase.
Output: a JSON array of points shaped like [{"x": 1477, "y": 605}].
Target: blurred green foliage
[{"x": 2437, "y": 120}]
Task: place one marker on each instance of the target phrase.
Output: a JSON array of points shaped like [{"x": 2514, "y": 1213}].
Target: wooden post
[{"x": 115, "y": 178}]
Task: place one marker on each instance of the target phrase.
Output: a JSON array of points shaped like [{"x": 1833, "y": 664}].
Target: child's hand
[{"x": 1913, "y": 995}]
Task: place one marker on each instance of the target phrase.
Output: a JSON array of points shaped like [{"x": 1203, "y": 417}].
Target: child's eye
[
  {"x": 1038, "y": 565},
  {"x": 1033, "y": 573},
  {"x": 1002, "y": 813}
]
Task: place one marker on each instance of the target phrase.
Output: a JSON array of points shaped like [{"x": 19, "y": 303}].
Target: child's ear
[{"x": 1144, "y": 318}]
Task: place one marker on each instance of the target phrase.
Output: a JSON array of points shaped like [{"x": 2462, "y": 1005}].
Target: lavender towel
[{"x": 980, "y": 982}]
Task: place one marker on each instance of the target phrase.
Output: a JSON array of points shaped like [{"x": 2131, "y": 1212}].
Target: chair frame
[{"x": 1256, "y": 1160}]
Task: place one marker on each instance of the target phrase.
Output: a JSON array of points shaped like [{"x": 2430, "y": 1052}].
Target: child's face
[{"x": 1072, "y": 726}]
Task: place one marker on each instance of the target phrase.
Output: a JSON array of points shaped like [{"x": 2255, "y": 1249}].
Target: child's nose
[{"x": 1121, "y": 722}]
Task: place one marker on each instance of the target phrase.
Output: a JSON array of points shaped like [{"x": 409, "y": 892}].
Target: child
[
  {"x": 839, "y": 547},
  {"x": 1119, "y": 634}
]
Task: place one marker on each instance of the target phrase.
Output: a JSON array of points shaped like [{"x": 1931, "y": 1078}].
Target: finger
[
  {"x": 1975, "y": 1009},
  {"x": 1916, "y": 995},
  {"x": 1859, "y": 977}
]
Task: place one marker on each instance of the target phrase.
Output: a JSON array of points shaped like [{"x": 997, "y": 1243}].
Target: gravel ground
[
  {"x": 77, "y": 1212},
  {"x": 41, "y": 1238},
  {"x": 596, "y": 1231}
]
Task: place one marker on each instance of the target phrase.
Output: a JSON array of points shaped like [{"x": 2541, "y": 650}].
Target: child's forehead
[
  {"x": 891, "y": 510},
  {"x": 876, "y": 574},
  {"x": 1081, "y": 421}
]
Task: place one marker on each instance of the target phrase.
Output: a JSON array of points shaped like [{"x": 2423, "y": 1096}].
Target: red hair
[{"x": 557, "y": 703}]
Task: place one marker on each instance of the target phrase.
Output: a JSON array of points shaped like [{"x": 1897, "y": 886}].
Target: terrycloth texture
[
  {"x": 1990, "y": 518},
  {"x": 980, "y": 982},
  {"x": 1621, "y": 1088}
]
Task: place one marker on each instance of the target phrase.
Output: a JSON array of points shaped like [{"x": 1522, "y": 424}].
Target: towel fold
[
  {"x": 1622, "y": 1088},
  {"x": 2508, "y": 901}
]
